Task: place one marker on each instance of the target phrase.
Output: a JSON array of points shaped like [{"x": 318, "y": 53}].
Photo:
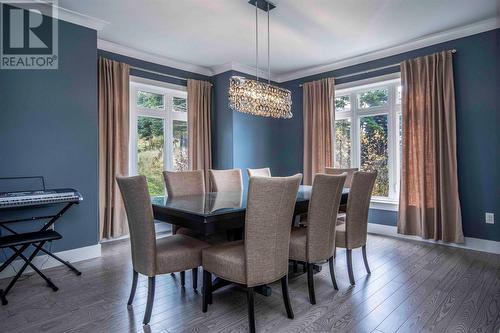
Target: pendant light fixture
[{"x": 256, "y": 97}]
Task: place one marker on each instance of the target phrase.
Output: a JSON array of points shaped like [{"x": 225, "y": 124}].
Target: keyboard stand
[{"x": 18, "y": 251}]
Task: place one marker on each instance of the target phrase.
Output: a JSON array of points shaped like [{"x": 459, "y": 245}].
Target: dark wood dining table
[{"x": 217, "y": 212}]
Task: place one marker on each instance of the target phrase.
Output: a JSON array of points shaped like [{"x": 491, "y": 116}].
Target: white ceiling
[{"x": 304, "y": 34}]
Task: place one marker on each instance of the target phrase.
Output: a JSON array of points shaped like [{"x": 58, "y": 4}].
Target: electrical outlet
[{"x": 490, "y": 218}]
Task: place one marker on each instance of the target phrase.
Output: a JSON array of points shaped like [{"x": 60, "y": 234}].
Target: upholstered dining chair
[
  {"x": 226, "y": 180},
  {"x": 338, "y": 171},
  {"x": 316, "y": 243},
  {"x": 183, "y": 183},
  {"x": 353, "y": 233},
  {"x": 151, "y": 256},
  {"x": 262, "y": 257},
  {"x": 348, "y": 181},
  {"x": 262, "y": 172}
]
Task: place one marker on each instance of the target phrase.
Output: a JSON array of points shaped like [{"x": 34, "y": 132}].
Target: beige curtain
[
  {"x": 429, "y": 205},
  {"x": 199, "y": 104},
  {"x": 113, "y": 144},
  {"x": 318, "y": 117}
]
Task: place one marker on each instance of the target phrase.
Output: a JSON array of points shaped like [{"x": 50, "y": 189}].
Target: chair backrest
[
  {"x": 270, "y": 207},
  {"x": 226, "y": 180},
  {"x": 339, "y": 171},
  {"x": 358, "y": 203},
  {"x": 181, "y": 183},
  {"x": 322, "y": 216},
  {"x": 263, "y": 172},
  {"x": 137, "y": 202}
]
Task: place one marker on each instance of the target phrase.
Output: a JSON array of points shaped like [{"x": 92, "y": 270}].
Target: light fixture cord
[
  {"x": 268, "y": 48},
  {"x": 256, "y": 43}
]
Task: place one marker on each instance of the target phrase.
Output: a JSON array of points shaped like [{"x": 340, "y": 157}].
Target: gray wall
[
  {"x": 477, "y": 90},
  {"x": 49, "y": 127}
]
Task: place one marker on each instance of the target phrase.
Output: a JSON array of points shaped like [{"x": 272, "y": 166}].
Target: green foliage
[
  {"x": 374, "y": 151},
  {"x": 342, "y": 103},
  {"x": 150, "y": 100},
  {"x": 371, "y": 98},
  {"x": 179, "y": 104},
  {"x": 343, "y": 143},
  {"x": 150, "y": 152}
]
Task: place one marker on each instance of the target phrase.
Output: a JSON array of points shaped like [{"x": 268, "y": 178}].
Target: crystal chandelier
[{"x": 256, "y": 97}]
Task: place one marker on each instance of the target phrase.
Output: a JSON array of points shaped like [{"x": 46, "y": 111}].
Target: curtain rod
[
  {"x": 159, "y": 73},
  {"x": 370, "y": 70}
]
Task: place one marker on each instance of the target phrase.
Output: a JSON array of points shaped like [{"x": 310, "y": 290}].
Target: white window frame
[
  {"x": 168, "y": 115},
  {"x": 393, "y": 110}
]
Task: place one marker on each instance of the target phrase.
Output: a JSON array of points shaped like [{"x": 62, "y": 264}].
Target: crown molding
[
  {"x": 75, "y": 17},
  {"x": 134, "y": 53},
  {"x": 425, "y": 41},
  {"x": 235, "y": 66},
  {"x": 432, "y": 39}
]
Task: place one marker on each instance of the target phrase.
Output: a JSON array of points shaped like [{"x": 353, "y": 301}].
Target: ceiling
[{"x": 304, "y": 34}]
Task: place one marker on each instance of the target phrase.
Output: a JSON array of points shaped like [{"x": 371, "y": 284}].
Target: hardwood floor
[{"x": 413, "y": 287}]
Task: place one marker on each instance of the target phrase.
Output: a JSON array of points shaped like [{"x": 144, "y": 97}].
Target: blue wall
[
  {"x": 477, "y": 90},
  {"x": 242, "y": 140},
  {"x": 49, "y": 127}
]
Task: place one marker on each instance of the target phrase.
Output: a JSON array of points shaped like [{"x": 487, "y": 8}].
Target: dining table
[{"x": 218, "y": 212}]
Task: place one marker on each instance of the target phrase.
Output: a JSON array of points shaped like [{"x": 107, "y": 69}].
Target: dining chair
[
  {"x": 183, "y": 183},
  {"x": 348, "y": 181},
  {"x": 353, "y": 233},
  {"x": 262, "y": 172},
  {"x": 338, "y": 171},
  {"x": 151, "y": 256},
  {"x": 226, "y": 180},
  {"x": 262, "y": 257},
  {"x": 316, "y": 243}
]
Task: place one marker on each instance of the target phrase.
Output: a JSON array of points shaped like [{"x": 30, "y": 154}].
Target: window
[
  {"x": 158, "y": 132},
  {"x": 367, "y": 134}
]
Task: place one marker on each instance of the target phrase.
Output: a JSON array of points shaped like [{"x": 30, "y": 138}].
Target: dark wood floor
[{"x": 413, "y": 287}]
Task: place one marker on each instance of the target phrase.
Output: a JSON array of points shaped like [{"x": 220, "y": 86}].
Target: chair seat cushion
[
  {"x": 178, "y": 253},
  {"x": 340, "y": 234},
  {"x": 226, "y": 261},
  {"x": 298, "y": 241}
]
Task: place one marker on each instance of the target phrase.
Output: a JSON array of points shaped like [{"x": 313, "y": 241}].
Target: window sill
[{"x": 383, "y": 204}]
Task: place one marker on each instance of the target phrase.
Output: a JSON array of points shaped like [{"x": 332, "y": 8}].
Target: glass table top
[{"x": 215, "y": 203}]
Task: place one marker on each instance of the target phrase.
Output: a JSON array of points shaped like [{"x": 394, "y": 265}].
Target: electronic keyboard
[{"x": 36, "y": 198}]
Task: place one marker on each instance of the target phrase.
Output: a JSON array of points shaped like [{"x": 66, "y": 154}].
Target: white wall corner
[
  {"x": 475, "y": 244},
  {"x": 44, "y": 261}
]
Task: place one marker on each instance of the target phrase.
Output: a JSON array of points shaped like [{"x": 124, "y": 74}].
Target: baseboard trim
[
  {"x": 475, "y": 244},
  {"x": 44, "y": 261}
]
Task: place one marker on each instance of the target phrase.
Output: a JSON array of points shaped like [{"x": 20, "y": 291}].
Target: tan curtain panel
[
  {"x": 429, "y": 206},
  {"x": 113, "y": 145},
  {"x": 199, "y": 138},
  {"x": 318, "y": 117}
]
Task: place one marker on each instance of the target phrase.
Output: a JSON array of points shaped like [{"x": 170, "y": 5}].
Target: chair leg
[
  {"x": 134, "y": 287},
  {"x": 151, "y": 297},
  {"x": 348, "y": 254},
  {"x": 207, "y": 290},
  {"x": 194, "y": 277},
  {"x": 286, "y": 296},
  {"x": 365, "y": 259},
  {"x": 251, "y": 311},
  {"x": 183, "y": 278},
  {"x": 332, "y": 274},
  {"x": 310, "y": 283}
]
